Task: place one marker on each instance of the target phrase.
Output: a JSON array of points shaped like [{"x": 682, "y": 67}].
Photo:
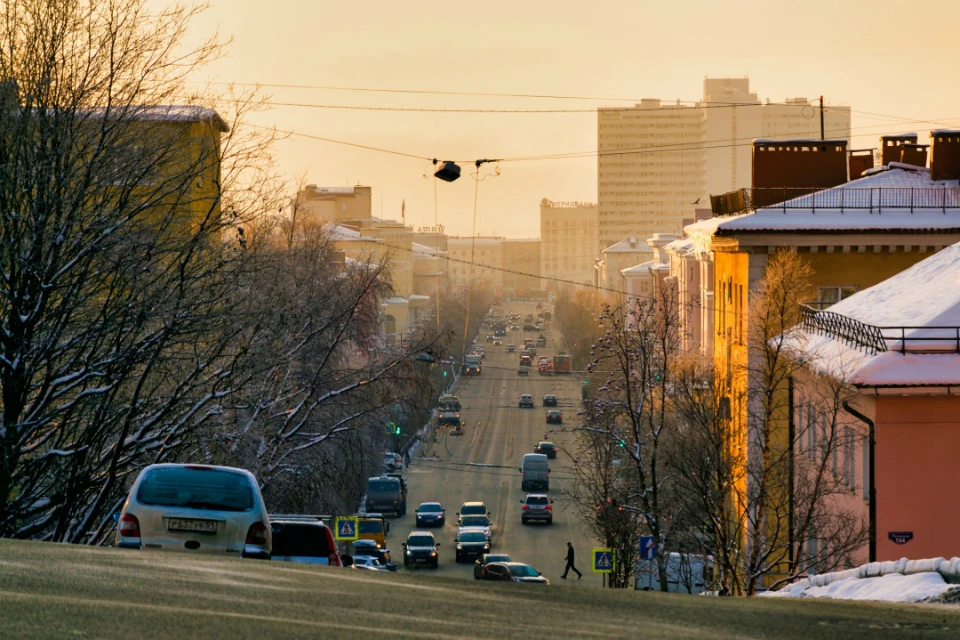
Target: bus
[{"x": 561, "y": 363}]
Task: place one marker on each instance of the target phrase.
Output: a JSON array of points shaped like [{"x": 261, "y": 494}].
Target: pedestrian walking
[
  {"x": 406, "y": 459},
  {"x": 570, "y": 565}
]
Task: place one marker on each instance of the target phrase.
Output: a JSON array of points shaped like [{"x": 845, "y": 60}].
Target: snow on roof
[
  {"x": 424, "y": 250},
  {"x": 416, "y": 297},
  {"x": 680, "y": 245},
  {"x": 629, "y": 245},
  {"x": 466, "y": 242},
  {"x": 797, "y": 217},
  {"x": 339, "y": 232},
  {"x": 641, "y": 269},
  {"x": 925, "y": 296},
  {"x": 944, "y": 132},
  {"x": 177, "y": 113}
]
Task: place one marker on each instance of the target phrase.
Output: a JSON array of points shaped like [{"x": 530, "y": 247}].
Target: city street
[{"x": 482, "y": 465}]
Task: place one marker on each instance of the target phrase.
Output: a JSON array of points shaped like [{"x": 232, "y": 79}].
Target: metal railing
[
  {"x": 872, "y": 339},
  {"x": 860, "y": 199}
]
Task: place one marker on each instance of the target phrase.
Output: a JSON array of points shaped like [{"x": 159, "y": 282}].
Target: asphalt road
[{"x": 482, "y": 465}]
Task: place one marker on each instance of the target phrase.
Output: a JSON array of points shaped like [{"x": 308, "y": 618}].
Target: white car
[
  {"x": 474, "y": 523},
  {"x": 368, "y": 562},
  {"x": 197, "y": 509}
]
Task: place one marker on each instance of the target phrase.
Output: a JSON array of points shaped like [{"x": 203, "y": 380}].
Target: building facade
[
  {"x": 521, "y": 259},
  {"x": 479, "y": 258},
  {"x": 568, "y": 243},
  {"x": 658, "y": 161}
]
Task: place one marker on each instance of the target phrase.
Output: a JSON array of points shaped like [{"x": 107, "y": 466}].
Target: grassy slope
[{"x": 51, "y": 590}]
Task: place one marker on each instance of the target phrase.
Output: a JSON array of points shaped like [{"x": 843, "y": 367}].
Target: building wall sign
[{"x": 900, "y": 537}]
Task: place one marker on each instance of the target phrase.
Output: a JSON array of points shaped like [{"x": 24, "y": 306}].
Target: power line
[{"x": 343, "y": 142}]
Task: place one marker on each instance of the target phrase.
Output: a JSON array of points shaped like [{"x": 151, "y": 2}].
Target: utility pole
[{"x": 822, "y": 137}]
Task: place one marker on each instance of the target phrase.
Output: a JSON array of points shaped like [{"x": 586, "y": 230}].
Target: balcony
[{"x": 837, "y": 200}]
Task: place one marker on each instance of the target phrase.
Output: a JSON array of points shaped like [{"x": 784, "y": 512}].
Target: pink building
[{"x": 898, "y": 345}]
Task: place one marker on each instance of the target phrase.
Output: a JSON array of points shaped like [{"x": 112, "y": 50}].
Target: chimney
[
  {"x": 860, "y": 160},
  {"x": 890, "y": 146},
  {"x": 915, "y": 154},
  {"x": 945, "y": 154},
  {"x": 799, "y": 164}
]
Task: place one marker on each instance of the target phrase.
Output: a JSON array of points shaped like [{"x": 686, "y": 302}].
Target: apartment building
[
  {"x": 521, "y": 257},
  {"x": 486, "y": 255},
  {"x": 658, "y": 161},
  {"x": 568, "y": 242},
  {"x": 331, "y": 205}
]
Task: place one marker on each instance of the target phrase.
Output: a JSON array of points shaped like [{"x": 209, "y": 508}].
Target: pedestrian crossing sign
[
  {"x": 345, "y": 529},
  {"x": 603, "y": 560}
]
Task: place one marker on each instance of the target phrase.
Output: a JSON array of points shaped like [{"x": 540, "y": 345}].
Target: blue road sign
[
  {"x": 648, "y": 551},
  {"x": 346, "y": 529},
  {"x": 603, "y": 560}
]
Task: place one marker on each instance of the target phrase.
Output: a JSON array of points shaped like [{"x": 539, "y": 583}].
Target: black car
[
  {"x": 512, "y": 572},
  {"x": 530, "y": 327},
  {"x": 549, "y": 400},
  {"x": 524, "y": 370},
  {"x": 546, "y": 448},
  {"x": 420, "y": 549},
  {"x": 449, "y": 417},
  {"x": 554, "y": 417},
  {"x": 471, "y": 544},
  {"x": 430, "y": 514},
  {"x": 486, "y": 559}
]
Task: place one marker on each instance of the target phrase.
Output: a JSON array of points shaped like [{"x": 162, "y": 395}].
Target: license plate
[{"x": 199, "y": 526}]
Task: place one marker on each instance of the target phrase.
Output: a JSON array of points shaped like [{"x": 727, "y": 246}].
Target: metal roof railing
[
  {"x": 859, "y": 199},
  {"x": 872, "y": 339}
]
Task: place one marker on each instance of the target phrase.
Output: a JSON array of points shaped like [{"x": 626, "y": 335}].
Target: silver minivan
[
  {"x": 196, "y": 508},
  {"x": 536, "y": 472}
]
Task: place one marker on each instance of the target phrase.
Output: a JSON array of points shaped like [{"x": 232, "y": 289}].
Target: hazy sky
[{"x": 880, "y": 56}]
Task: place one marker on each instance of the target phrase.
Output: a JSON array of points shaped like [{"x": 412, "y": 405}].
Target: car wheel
[
  {"x": 523, "y": 521},
  {"x": 550, "y": 521},
  {"x": 436, "y": 564},
  {"x": 458, "y": 558}
]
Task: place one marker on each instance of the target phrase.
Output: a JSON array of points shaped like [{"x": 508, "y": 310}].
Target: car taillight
[
  {"x": 257, "y": 534},
  {"x": 525, "y": 507},
  {"x": 549, "y": 507},
  {"x": 129, "y": 526},
  {"x": 334, "y": 560}
]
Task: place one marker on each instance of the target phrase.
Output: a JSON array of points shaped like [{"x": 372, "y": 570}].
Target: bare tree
[
  {"x": 755, "y": 506},
  {"x": 632, "y": 413}
]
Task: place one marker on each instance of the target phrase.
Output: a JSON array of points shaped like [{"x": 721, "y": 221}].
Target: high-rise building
[
  {"x": 658, "y": 161},
  {"x": 521, "y": 261},
  {"x": 568, "y": 242}
]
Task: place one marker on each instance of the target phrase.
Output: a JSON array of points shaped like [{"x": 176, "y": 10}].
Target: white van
[
  {"x": 686, "y": 573},
  {"x": 536, "y": 472}
]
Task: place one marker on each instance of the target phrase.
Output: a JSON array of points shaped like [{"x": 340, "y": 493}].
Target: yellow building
[
  {"x": 568, "y": 242},
  {"x": 853, "y": 236}
]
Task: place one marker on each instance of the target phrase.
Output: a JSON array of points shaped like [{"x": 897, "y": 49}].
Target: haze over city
[{"x": 895, "y": 58}]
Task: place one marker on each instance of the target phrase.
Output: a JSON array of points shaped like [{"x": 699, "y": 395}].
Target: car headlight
[
  {"x": 460, "y": 547},
  {"x": 409, "y": 553},
  {"x": 433, "y": 554}
]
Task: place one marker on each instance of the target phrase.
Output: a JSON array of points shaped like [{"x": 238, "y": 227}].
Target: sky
[{"x": 885, "y": 57}]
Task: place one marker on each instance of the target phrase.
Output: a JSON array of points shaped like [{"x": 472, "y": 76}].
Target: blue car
[{"x": 430, "y": 514}]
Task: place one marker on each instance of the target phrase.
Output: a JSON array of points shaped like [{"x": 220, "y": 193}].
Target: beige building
[
  {"x": 658, "y": 161},
  {"x": 568, "y": 242},
  {"x": 521, "y": 258},
  {"x": 331, "y": 205},
  {"x": 486, "y": 254}
]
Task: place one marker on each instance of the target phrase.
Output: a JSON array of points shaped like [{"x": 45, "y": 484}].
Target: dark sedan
[
  {"x": 430, "y": 514},
  {"x": 486, "y": 559},
  {"x": 549, "y": 400},
  {"x": 512, "y": 572},
  {"x": 471, "y": 544},
  {"x": 546, "y": 448},
  {"x": 554, "y": 417}
]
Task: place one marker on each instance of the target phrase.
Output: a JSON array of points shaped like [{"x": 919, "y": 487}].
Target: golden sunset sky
[{"x": 893, "y": 62}]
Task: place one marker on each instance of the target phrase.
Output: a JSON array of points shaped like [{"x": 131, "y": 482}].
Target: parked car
[
  {"x": 430, "y": 514},
  {"x": 471, "y": 544},
  {"x": 486, "y": 559},
  {"x": 303, "y": 539},
  {"x": 554, "y": 416},
  {"x": 198, "y": 509},
  {"x": 526, "y": 400},
  {"x": 512, "y": 572},
  {"x": 546, "y": 448},
  {"x": 370, "y": 548},
  {"x": 536, "y": 507},
  {"x": 511, "y": 348},
  {"x": 421, "y": 549},
  {"x": 549, "y": 400}
]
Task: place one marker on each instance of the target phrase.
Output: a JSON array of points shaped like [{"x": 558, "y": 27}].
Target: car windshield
[
  {"x": 523, "y": 571},
  {"x": 429, "y": 508},
  {"x": 474, "y": 521},
  {"x": 473, "y": 509},
  {"x": 371, "y": 527},
  {"x": 420, "y": 541},
  {"x": 538, "y": 501},
  {"x": 383, "y": 485},
  {"x": 202, "y": 488},
  {"x": 306, "y": 540},
  {"x": 473, "y": 536}
]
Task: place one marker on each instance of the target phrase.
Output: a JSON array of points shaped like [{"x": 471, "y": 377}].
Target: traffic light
[
  {"x": 444, "y": 374},
  {"x": 396, "y": 429},
  {"x": 623, "y": 443}
]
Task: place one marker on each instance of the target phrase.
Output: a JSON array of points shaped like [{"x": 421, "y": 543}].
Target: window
[
  {"x": 832, "y": 295},
  {"x": 196, "y": 488},
  {"x": 811, "y": 432},
  {"x": 849, "y": 467},
  {"x": 865, "y": 463}
]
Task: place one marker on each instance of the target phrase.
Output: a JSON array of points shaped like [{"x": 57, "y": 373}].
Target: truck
[
  {"x": 386, "y": 495},
  {"x": 471, "y": 365},
  {"x": 561, "y": 363},
  {"x": 449, "y": 402},
  {"x": 535, "y": 472},
  {"x": 372, "y": 526}
]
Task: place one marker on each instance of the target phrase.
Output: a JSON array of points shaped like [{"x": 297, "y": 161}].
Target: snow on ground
[{"x": 894, "y": 587}]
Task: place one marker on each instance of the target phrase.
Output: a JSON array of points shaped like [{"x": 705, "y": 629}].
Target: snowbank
[{"x": 894, "y": 581}]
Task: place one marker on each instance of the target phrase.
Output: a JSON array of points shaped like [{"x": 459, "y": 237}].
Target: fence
[
  {"x": 873, "y": 339},
  {"x": 860, "y": 199}
]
